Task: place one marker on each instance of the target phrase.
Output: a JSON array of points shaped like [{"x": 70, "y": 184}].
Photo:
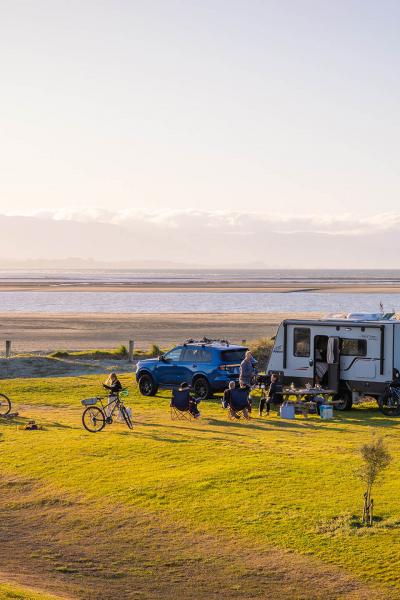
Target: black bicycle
[
  {"x": 95, "y": 418},
  {"x": 389, "y": 401},
  {"x": 5, "y": 405}
]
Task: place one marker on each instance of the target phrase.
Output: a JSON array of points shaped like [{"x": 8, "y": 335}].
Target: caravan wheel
[{"x": 344, "y": 400}]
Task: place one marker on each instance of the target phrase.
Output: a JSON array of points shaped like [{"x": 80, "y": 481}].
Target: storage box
[
  {"x": 326, "y": 411},
  {"x": 287, "y": 411}
]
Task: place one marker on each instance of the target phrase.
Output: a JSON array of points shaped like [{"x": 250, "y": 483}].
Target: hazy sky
[{"x": 288, "y": 107}]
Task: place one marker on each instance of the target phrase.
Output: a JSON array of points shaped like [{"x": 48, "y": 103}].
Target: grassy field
[{"x": 210, "y": 509}]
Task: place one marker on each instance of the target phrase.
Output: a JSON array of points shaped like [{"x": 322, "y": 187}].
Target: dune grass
[
  {"x": 289, "y": 485},
  {"x": 120, "y": 353},
  {"x": 9, "y": 592}
]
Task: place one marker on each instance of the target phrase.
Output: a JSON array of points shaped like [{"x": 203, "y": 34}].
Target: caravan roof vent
[
  {"x": 361, "y": 316},
  {"x": 370, "y": 316}
]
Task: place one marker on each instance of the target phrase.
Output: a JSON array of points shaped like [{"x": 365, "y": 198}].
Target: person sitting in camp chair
[
  {"x": 239, "y": 402},
  {"x": 183, "y": 405}
]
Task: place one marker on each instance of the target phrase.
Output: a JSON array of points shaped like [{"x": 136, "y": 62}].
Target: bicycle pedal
[{"x": 109, "y": 420}]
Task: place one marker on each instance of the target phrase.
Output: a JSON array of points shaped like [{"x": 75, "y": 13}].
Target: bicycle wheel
[
  {"x": 93, "y": 419},
  {"x": 126, "y": 416},
  {"x": 5, "y": 405}
]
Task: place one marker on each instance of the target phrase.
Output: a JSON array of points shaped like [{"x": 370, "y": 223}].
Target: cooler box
[
  {"x": 287, "y": 411},
  {"x": 326, "y": 411}
]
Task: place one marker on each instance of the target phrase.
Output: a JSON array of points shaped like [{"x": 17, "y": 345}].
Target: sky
[{"x": 270, "y": 111}]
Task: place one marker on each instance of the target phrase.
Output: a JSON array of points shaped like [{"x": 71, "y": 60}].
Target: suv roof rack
[{"x": 206, "y": 341}]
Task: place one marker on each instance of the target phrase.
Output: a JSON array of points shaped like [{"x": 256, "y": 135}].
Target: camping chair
[
  {"x": 180, "y": 405},
  {"x": 239, "y": 402}
]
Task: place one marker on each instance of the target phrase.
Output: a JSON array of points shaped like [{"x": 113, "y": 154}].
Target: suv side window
[
  {"x": 174, "y": 354},
  {"x": 188, "y": 355},
  {"x": 196, "y": 355},
  {"x": 204, "y": 355}
]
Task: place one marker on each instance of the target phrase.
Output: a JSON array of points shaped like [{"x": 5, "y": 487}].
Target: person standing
[
  {"x": 113, "y": 385},
  {"x": 247, "y": 370}
]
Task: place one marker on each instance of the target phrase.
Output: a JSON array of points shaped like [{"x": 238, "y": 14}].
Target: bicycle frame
[{"x": 116, "y": 401}]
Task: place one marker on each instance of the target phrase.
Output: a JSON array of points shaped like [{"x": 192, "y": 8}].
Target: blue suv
[{"x": 208, "y": 366}]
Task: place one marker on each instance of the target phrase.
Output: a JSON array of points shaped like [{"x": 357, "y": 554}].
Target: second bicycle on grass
[{"x": 5, "y": 405}]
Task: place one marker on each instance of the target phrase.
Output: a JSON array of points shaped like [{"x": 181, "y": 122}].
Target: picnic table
[{"x": 304, "y": 398}]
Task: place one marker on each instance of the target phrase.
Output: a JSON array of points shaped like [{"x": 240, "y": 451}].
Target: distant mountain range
[{"x": 89, "y": 263}]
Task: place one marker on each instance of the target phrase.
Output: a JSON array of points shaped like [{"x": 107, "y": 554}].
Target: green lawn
[{"x": 268, "y": 482}]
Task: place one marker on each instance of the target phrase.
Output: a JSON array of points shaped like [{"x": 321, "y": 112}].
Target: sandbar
[{"x": 44, "y": 332}]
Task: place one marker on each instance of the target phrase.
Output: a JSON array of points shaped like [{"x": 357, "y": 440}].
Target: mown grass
[{"x": 268, "y": 482}]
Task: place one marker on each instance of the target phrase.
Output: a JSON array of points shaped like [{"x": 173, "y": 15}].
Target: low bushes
[
  {"x": 261, "y": 350},
  {"x": 120, "y": 353}
]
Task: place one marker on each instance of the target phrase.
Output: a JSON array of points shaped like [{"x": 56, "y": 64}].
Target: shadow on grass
[
  {"x": 58, "y": 425},
  {"x": 153, "y": 436}
]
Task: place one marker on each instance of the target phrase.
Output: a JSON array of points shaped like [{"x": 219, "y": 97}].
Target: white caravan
[{"x": 355, "y": 355}]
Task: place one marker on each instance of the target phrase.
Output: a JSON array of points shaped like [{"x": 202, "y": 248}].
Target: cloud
[
  {"x": 230, "y": 221},
  {"x": 219, "y": 238}
]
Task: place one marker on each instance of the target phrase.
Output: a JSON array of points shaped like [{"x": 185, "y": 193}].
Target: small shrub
[
  {"x": 122, "y": 350},
  {"x": 261, "y": 350},
  {"x": 59, "y": 354},
  {"x": 154, "y": 350}
]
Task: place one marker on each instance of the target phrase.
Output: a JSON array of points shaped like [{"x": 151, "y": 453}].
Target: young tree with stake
[{"x": 376, "y": 458}]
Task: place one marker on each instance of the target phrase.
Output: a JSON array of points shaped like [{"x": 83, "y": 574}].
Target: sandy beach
[{"x": 32, "y": 332}]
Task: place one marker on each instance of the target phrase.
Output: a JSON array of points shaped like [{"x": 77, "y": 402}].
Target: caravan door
[
  {"x": 298, "y": 359},
  {"x": 333, "y": 360}
]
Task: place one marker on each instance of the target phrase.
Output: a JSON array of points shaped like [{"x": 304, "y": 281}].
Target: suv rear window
[{"x": 233, "y": 356}]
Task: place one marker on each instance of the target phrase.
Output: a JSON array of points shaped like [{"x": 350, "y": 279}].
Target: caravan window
[
  {"x": 353, "y": 347},
  {"x": 301, "y": 341}
]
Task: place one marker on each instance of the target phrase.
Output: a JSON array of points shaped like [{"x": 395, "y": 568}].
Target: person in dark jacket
[
  {"x": 193, "y": 402},
  {"x": 227, "y": 394},
  {"x": 113, "y": 384},
  {"x": 271, "y": 396}
]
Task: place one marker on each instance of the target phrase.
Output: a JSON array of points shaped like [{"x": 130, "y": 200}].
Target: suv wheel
[
  {"x": 201, "y": 388},
  {"x": 147, "y": 385}
]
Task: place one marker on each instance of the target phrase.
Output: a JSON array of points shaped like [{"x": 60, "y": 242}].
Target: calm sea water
[
  {"x": 121, "y": 276},
  {"x": 188, "y": 302}
]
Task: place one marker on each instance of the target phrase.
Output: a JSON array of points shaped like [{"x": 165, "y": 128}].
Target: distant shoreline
[{"x": 198, "y": 287}]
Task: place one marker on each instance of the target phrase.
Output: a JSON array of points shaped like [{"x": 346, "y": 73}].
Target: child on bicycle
[{"x": 113, "y": 384}]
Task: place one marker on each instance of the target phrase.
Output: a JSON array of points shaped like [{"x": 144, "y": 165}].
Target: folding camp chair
[
  {"x": 239, "y": 403},
  {"x": 180, "y": 405}
]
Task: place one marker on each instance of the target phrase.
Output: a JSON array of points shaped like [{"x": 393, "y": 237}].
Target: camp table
[{"x": 303, "y": 397}]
